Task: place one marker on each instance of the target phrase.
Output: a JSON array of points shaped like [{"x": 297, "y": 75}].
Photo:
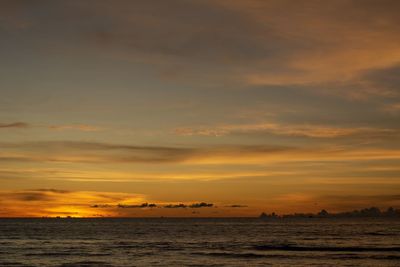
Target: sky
[{"x": 202, "y": 108}]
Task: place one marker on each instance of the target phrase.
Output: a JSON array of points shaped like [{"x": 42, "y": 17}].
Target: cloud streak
[
  {"x": 78, "y": 127},
  {"x": 66, "y": 127},
  {"x": 18, "y": 125},
  {"x": 312, "y": 131},
  {"x": 88, "y": 152}
]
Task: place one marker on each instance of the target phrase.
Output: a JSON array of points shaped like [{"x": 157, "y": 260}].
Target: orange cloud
[{"x": 335, "y": 41}]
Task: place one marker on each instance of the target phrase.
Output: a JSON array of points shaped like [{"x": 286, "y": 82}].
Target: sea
[{"x": 199, "y": 242}]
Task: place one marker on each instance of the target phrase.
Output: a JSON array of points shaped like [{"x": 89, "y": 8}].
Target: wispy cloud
[
  {"x": 312, "y": 52},
  {"x": 306, "y": 130},
  {"x": 237, "y": 206},
  {"x": 78, "y": 127},
  {"x": 392, "y": 108},
  {"x": 106, "y": 153},
  {"x": 19, "y": 125},
  {"x": 61, "y": 127}
]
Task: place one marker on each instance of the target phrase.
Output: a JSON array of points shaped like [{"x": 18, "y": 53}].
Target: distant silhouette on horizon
[{"x": 371, "y": 212}]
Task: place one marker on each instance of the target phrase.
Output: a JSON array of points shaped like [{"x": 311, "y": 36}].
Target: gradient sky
[{"x": 249, "y": 105}]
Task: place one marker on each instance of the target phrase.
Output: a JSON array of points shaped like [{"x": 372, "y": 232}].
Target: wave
[
  {"x": 386, "y": 257},
  {"x": 230, "y": 254},
  {"x": 87, "y": 264},
  {"x": 327, "y": 249},
  {"x": 135, "y": 245},
  {"x": 379, "y": 234},
  {"x": 297, "y": 256},
  {"x": 59, "y": 254},
  {"x": 14, "y": 264}
]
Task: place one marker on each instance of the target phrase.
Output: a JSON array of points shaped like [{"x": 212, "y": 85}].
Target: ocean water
[{"x": 199, "y": 242}]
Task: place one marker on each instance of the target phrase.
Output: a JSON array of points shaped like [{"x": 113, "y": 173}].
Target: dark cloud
[
  {"x": 195, "y": 30},
  {"x": 101, "y": 206},
  {"x": 154, "y": 32},
  {"x": 37, "y": 194},
  {"x": 144, "y": 205},
  {"x": 237, "y": 206},
  {"x": 92, "y": 152},
  {"x": 193, "y": 206},
  {"x": 201, "y": 205},
  {"x": 18, "y": 159},
  {"x": 175, "y": 206},
  {"x": 20, "y": 125},
  {"x": 383, "y": 81},
  {"x": 153, "y": 205},
  {"x": 32, "y": 196}
]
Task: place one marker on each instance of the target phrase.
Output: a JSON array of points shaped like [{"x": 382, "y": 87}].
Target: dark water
[{"x": 199, "y": 242}]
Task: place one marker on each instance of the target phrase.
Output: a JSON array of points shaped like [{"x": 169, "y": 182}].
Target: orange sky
[{"x": 248, "y": 105}]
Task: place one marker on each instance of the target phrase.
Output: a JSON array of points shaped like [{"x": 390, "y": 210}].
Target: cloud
[
  {"x": 101, "y": 206},
  {"x": 385, "y": 81},
  {"x": 250, "y": 42},
  {"x": 18, "y": 125},
  {"x": 57, "y": 191},
  {"x": 237, "y": 206},
  {"x": 201, "y": 205},
  {"x": 192, "y": 206},
  {"x": 107, "y": 153},
  {"x": 78, "y": 127},
  {"x": 334, "y": 41},
  {"x": 154, "y": 205},
  {"x": 175, "y": 206},
  {"x": 92, "y": 152},
  {"x": 392, "y": 108},
  {"x": 141, "y": 206},
  {"x": 33, "y": 196},
  {"x": 306, "y": 130},
  {"x": 18, "y": 159}
]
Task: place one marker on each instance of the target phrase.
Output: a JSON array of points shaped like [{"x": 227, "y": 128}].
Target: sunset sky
[{"x": 249, "y": 105}]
